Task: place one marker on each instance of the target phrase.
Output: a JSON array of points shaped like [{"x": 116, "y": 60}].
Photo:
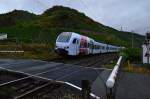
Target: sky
[{"x": 131, "y": 15}]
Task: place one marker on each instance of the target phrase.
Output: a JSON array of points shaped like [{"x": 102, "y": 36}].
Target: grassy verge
[
  {"x": 31, "y": 51},
  {"x": 133, "y": 61},
  {"x": 110, "y": 65},
  {"x": 137, "y": 68}
]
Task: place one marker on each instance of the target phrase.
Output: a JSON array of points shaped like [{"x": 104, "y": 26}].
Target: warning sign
[{"x": 146, "y": 53}]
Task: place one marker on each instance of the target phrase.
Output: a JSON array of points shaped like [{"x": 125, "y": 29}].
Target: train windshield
[{"x": 64, "y": 37}]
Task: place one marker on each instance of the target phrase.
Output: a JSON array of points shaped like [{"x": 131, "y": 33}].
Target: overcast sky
[{"x": 130, "y": 14}]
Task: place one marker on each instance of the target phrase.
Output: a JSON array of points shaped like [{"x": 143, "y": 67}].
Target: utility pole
[
  {"x": 121, "y": 28},
  {"x": 132, "y": 38}
]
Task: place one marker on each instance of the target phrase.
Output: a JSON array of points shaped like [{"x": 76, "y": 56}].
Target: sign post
[
  {"x": 86, "y": 89},
  {"x": 146, "y": 49},
  {"x": 148, "y": 54}
]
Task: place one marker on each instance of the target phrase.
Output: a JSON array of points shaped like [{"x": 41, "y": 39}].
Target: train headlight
[{"x": 66, "y": 47}]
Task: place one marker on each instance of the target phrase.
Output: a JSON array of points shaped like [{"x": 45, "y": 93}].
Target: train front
[{"x": 62, "y": 43}]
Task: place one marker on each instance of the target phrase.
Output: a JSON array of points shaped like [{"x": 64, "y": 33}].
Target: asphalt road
[{"x": 133, "y": 86}]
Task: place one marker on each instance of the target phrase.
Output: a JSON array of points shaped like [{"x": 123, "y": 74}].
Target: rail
[{"x": 37, "y": 76}]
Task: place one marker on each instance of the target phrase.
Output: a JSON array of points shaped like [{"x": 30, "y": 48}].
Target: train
[{"x": 73, "y": 44}]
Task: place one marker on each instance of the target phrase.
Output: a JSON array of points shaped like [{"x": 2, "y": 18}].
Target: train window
[
  {"x": 103, "y": 47},
  {"x": 95, "y": 46},
  {"x": 74, "y": 40},
  {"x": 77, "y": 41},
  {"x": 64, "y": 37},
  {"x": 107, "y": 48}
]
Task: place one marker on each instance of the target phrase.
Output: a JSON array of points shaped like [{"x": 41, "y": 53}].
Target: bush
[{"x": 132, "y": 54}]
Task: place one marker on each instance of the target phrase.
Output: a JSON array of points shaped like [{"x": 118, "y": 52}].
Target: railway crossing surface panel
[{"x": 55, "y": 71}]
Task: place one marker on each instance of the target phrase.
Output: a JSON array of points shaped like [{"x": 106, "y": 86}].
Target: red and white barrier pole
[{"x": 111, "y": 80}]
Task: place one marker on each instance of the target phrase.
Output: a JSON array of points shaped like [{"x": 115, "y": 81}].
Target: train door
[
  {"x": 90, "y": 50},
  {"x": 107, "y": 48},
  {"x": 74, "y": 47},
  {"x": 91, "y": 47}
]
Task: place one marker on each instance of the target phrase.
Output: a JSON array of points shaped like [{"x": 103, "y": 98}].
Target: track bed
[
  {"x": 32, "y": 88},
  {"x": 98, "y": 60}
]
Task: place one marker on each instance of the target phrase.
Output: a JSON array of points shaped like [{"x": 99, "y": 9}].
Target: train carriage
[
  {"x": 67, "y": 43},
  {"x": 70, "y": 43}
]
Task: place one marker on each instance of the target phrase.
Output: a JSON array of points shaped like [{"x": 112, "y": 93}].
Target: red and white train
[{"x": 72, "y": 44}]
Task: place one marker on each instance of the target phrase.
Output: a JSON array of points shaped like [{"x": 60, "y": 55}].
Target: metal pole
[
  {"x": 110, "y": 95},
  {"x": 148, "y": 52},
  {"x": 132, "y": 38},
  {"x": 86, "y": 89}
]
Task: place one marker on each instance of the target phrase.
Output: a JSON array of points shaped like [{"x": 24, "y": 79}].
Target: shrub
[{"x": 132, "y": 54}]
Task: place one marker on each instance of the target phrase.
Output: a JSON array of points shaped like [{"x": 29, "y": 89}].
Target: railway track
[
  {"x": 32, "y": 88},
  {"x": 96, "y": 60},
  {"x": 26, "y": 86}
]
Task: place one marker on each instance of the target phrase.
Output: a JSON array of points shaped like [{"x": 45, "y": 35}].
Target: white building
[{"x": 3, "y": 36}]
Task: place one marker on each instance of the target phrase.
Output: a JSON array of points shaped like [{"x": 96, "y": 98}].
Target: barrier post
[
  {"x": 111, "y": 94},
  {"x": 86, "y": 89},
  {"x": 111, "y": 81}
]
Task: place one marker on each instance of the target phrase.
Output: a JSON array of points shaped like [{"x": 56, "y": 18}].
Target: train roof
[{"x": 98, "y": 42}]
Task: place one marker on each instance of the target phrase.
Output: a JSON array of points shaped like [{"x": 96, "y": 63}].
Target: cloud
[{"x": 130, "y": 14}]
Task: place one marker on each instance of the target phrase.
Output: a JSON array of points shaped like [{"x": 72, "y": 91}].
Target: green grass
[
  {"x": 31, "y": 51},
  {"x": 110, "y": 65},
  {"x": 132, "y": 54}
]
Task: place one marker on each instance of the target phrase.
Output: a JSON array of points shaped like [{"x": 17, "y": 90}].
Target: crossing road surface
[
  {"x": 131, "y": 85},
  {"x": 61, "y": 72}
]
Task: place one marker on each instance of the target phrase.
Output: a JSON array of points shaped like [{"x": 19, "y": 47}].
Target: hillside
[
  {"x": 15, "y": 17},
  {"x": 28, "y": 27}
]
